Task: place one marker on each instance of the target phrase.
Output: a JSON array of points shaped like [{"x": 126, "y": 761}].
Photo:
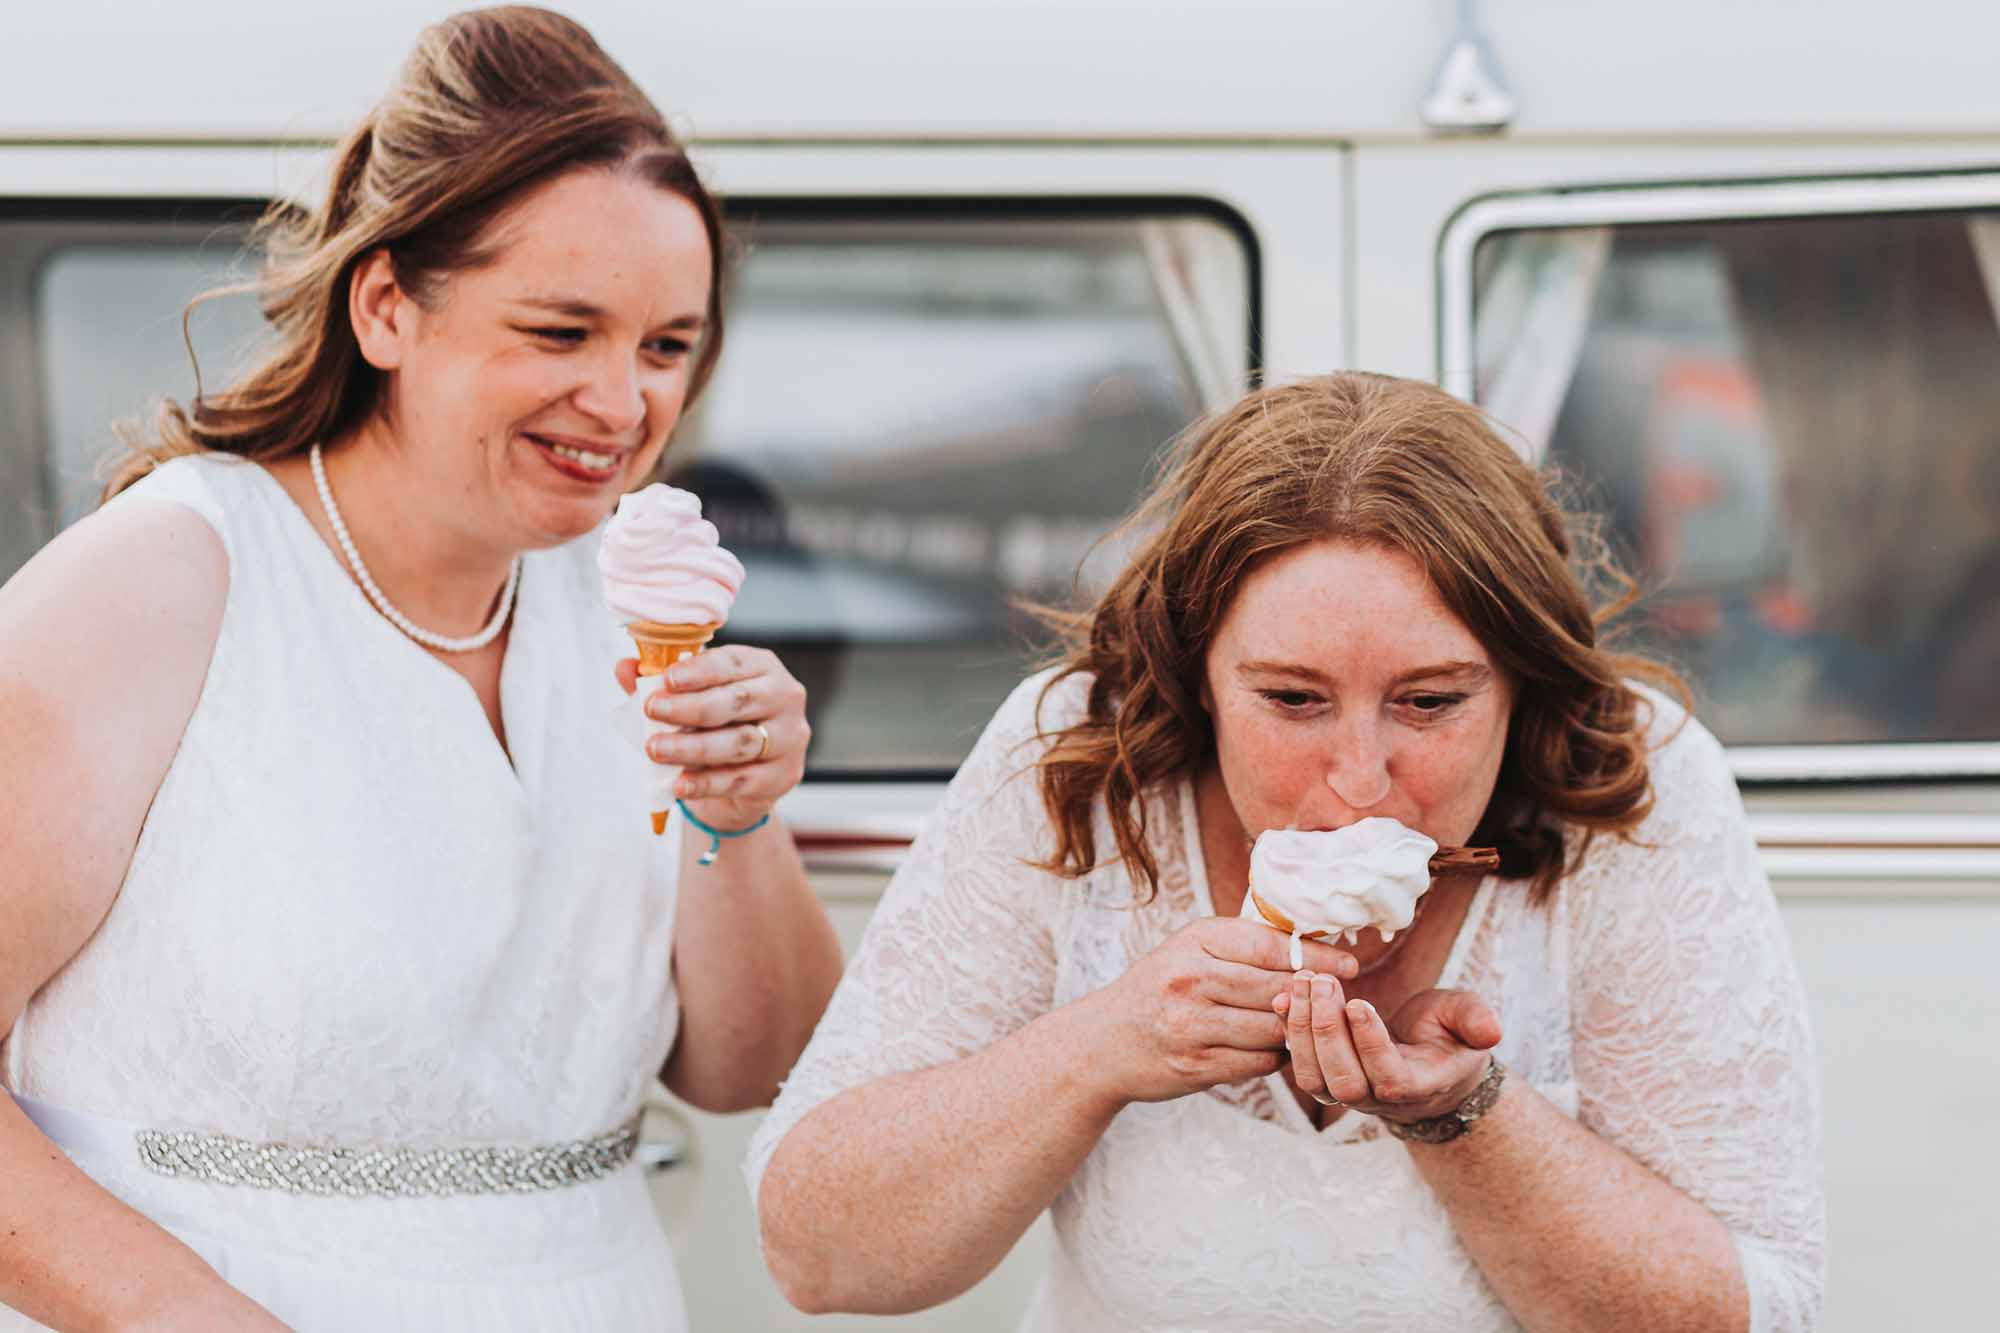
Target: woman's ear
[{"x": 382, "y": 313}]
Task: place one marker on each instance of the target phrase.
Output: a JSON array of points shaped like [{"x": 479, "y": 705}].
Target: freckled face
[
  {"x": 544, "y": 384},
  {"x": 1341, "y": 687}
]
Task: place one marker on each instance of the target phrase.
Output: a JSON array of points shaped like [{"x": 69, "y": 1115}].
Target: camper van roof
[{"x": 904, "y": 70}]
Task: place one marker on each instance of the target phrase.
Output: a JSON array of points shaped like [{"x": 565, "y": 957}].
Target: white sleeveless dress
[{"x": 351, "y": 922}]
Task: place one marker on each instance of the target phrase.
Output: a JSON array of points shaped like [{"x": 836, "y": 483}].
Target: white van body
[{"x": 1299, "y": 126}]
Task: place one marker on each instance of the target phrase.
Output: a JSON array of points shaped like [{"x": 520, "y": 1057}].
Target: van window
[
  {"x": 922, "y": 417},
  {"x": 90, "y": 332},
  {"x": 1792, "y": 426}
]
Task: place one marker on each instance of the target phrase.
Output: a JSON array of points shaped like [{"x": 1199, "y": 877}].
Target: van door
[
  {"x": 930, "y": 412},
  {"x": 1784, "y": 398}
]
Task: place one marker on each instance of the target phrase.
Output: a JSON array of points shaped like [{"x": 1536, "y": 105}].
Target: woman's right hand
[{"x": 1196, "y": 1011}]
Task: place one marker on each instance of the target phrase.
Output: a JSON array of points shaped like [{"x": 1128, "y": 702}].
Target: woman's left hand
[
  {"x": 744, "y": 740},
  {"x": 1423, "y": 1063}
]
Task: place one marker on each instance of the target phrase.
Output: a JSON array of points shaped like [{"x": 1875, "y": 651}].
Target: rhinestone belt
[{"x": 391, "y": 1172}]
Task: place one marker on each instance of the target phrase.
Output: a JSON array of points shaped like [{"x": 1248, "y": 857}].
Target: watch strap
[{"x": 1444, "y": 1128}]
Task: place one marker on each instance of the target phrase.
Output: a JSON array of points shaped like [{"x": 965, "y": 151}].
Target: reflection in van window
[
  {"x": 915, "y": 423},
  {"x": 1793, "y": 427},
  {"x": 90, "y": 333},
  {"x": 110, "y": 335}
]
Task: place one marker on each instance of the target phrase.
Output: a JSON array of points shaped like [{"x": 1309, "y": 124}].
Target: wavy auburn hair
[
  {"x": 1384, "y": 462},
  {"x": 489, "y": 105}
]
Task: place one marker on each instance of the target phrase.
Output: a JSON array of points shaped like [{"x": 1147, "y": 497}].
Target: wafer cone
[
  {"x": 1280, "y": 920},
  {"x": 659, "y": 647}
]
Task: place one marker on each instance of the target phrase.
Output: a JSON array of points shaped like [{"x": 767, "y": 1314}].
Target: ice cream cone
[
  {"x": 1279, "y": 919},
  {"x": 660, "y": 646},
  {"x": 669, "y": 582}
]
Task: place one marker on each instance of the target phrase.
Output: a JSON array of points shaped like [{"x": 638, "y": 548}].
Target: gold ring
[{"x": 764, "y": 748}]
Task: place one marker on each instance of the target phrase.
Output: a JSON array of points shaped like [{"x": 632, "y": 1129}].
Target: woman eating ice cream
[
  {"x": 1571, "y": 1092},
  {"x": 338, "y": 952}
]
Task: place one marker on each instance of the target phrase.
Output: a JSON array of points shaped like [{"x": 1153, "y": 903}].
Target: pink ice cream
[{"x": 663, "y": 562}]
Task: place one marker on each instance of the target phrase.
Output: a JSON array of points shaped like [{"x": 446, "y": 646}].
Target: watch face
[
  {"x": 1437, "y": 1129},
  {"x": 1444, "y": 1129}
]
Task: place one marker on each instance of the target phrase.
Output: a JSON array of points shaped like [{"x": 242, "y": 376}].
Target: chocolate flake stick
[{"x": 1449, "y": 859}]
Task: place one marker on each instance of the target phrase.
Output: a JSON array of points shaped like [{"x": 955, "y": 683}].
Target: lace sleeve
[
  {"x": 1691, "y": 1041},
  {"x": 959, "y": 952}
]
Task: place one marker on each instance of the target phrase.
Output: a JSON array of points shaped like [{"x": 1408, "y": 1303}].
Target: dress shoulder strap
[{"x": 222, "y": 488}]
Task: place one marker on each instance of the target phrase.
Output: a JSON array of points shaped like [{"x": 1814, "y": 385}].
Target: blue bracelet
[{"x": 716, "y": 835}]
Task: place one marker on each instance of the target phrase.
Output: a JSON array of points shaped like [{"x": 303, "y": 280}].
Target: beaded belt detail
[{"x": 400, "y": 1173}]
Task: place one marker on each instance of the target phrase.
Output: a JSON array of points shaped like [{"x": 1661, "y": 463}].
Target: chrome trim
[
  {"x": 1957, "y": 850},
  {"x": 1854, "y": 854},
  {"x": 1845, "y": 829},
  {"x": 1795, "y": 872},
  {"x": 857, "y": 828},
  {"x": 859, "y": 812},
  {"x": 1612, "y": 206},
  {"x": 864, "y": 812},
  {"x": 1884, "y": 762},
  {"x": 1877, "y": 897},
  {"x": 1899, "y": 864},
  {"x": 883, "y": 860}
]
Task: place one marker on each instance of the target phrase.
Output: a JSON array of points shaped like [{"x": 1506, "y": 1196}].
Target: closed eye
[
  {"x": 1291, "y": 700},
  {"x": 566, "y": 335},
  {"x": 1433, "y": 704}
]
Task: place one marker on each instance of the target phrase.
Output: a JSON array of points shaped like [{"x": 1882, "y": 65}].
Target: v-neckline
[
  {"x": 1348, "y": 1128},
  {"x": 510, "y": 755}
]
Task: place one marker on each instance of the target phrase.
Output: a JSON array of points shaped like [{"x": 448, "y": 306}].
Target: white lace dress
[
  {"x": 1656, "y": 1002},
  {"x": 351, "y": 922}
]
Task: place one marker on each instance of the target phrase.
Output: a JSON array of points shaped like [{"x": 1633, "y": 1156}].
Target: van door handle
[
  {"x": 666, "y": 1138},
  {"x": 658, "y": 1155}
]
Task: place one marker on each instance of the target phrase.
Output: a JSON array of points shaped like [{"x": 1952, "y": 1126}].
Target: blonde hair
[
  {"x": 489, "y": 105},
  {"x": 1382, "y": 461}
]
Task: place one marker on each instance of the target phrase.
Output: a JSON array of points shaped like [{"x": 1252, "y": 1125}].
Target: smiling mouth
[{"x": 577, "y": 462}]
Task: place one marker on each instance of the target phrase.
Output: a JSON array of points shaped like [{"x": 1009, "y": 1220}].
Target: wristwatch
[{"x": 1444, "y": 1128}]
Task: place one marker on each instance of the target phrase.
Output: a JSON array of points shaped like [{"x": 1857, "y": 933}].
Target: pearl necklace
[{"x": 427, "y": 638}]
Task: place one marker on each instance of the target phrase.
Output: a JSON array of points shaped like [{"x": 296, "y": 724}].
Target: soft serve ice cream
[
  {"x": 670, "y": 582},
  {"x": 1338, "y": 882},
  {"x": 664, "y": 564}
]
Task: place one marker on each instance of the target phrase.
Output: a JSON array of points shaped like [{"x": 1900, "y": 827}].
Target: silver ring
[{"x": 765, "y": 748}]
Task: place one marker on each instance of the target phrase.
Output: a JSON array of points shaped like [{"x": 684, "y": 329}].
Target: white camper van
[{"x": 1734, "y": 267}]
